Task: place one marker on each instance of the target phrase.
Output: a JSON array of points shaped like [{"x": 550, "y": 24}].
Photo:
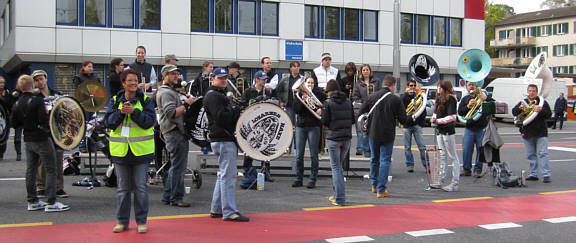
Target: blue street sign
[{"x": 294, "y": 50}]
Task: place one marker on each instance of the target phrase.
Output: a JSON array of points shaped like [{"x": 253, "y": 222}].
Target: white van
[
  {"x": 431, "y": 96},
  {"x": 512, "y": 90}
]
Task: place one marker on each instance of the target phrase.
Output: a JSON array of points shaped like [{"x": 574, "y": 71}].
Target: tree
[
  {"x": 493, "y": 14},
  {"x": 557, "y": 3}
]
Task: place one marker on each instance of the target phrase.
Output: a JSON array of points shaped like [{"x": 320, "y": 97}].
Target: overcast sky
[{"x": 521, "y": 6}]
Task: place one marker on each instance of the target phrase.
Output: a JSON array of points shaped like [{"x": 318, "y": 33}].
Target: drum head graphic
[{"x": 264, "y": 131}]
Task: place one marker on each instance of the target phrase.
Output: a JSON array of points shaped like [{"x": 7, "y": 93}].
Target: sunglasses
[{"x": 412, "y": 85}]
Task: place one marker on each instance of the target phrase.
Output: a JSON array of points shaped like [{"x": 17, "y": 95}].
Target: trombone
[{"x": 240, "y": 84}]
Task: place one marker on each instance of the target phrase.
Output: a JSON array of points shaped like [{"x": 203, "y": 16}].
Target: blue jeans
[
  {"x": 470, "y": 139},
  {"x": 380, "y": 160},
  {"x": 447, "y": 152},
  {"x": 132, "y": 176},
  {"x": 415, "y": 131},
  {"x": 223, "y": 198},
  {"x": 359, "y": 146},
  {"x": 537, "y": 151},
  {"x": 312, "y": 134},
  {"x": 292, "y": 116},
  {"x": 35, "y": 152},
  {"x": 337, "y": 151},
  {"x": 362, "y": 140},
  {"x": 177, "y": 146}
]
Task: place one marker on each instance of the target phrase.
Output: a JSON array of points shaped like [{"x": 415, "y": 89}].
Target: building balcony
[
  {"x": 514, "y": 42},
  {"x": 519, "y": 62}
]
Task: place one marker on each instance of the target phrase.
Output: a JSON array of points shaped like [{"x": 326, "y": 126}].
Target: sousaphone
[
  {"x": 474, "y": 65},
  {"x": 536, "y": 70}
]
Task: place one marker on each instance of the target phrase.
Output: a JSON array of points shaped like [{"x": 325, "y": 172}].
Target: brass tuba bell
[
  {"x": 425, "y": 71},
  {"x": 474, "y": 65}
]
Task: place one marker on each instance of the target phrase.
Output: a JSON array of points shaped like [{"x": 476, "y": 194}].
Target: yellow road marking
[
  {"x": 462, "y": 199},
  {"x": 339, "y": 207},
  {"x": 25, "y": 224},
  {"x": 179, "y": 216},
  {"x": 557, "y": 192}
]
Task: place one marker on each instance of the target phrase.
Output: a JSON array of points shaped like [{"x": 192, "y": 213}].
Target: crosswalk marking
[
  {"x": 561, "y": 220},
  {"x": 499, "y": 226},
  {"x": 350, "y": 239},
  {"x": 429, "y": 232},
  {"x": 562, "y": 149}
]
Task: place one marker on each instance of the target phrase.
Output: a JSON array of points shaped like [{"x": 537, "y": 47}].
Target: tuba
[
  {"x": 473, "y": 66},
  {"x": 425, "y": 71},
  {"x": 536, "y": 70},
  {"x": 311, "y": 102}
]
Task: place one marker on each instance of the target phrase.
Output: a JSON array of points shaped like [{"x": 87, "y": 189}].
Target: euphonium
[
  {"x": 311, "y": 102},
  {"x": 417, "y": 105},
  {"x": 474, "y": 113}
]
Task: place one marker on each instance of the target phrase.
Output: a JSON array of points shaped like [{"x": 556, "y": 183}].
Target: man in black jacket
[
  {"x": 560, "y": 107},
  {"x": 308, "y": 128},
  {"x": 535, "y": 135},
  {"x": 222, "y": 118},
  {"x": 413, "y": 127},
  {"x": 30, "y": 113},
  {"x": 381, "y": 132},
  {"x": 474, "y": 131}
]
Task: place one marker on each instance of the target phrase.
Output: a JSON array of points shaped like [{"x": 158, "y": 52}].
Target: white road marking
[
  {"x": 350, "y": 239},
  {"x": 12, "y": 179},
  {"x": 499, "y": 226},
  {"x": 429, "y": 232},
  {"x": 562, "y": 160},
  {"x": 561, "y": 220},
  {"x": 562, "y": 149}
]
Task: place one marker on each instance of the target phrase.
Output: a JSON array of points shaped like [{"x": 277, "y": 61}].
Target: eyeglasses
[{"x": 412, "y": 85}]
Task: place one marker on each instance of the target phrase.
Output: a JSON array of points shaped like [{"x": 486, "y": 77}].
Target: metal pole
[{"x": 396, "y": 45}]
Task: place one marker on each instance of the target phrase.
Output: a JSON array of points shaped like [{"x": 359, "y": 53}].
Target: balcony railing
[
  {"x": 514, "y": 42},
  {"x": 513, "y": 61}
]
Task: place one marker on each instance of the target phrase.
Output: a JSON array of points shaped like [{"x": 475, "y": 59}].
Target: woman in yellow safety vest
[{"x": 130, "y": 117}]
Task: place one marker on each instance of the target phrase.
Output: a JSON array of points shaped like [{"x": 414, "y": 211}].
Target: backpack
[{"x": 504, "y": 177}]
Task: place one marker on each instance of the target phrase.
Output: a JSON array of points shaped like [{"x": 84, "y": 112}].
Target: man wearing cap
[
  {"x": 272, "y": 82},
  {"x": 172, "y": 127},
  {"x": 147, "y": 78},
  {"x": 234, "y": 76},
  {"x": 325, "y": 72},
  {"x": 40, "y": 81},
  {"x": 172, "y": 59},
  {"x": 222, "y": 117}
]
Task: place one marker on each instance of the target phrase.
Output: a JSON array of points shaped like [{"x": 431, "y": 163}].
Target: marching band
[{"x": 297, "y": 108}]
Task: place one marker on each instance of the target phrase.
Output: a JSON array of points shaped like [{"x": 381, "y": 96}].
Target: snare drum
[{"x": 264, "y": 131}]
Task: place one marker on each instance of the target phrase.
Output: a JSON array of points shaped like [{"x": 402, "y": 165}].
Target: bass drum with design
[
  {"x": 196, "y": 123},
  {"x": 67, "y": 123},
  {"x": 264, "y": 131},
  {"x": 4, "y": 128}
]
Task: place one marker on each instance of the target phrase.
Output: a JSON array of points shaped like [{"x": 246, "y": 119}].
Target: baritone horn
[
  {"x": 474, "y": 65},
  {"x": 536, "y": 70},
  {"x": 311, "y": 102}
]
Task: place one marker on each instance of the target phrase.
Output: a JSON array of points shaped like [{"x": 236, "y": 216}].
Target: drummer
[{"x": 41, "y": 83}]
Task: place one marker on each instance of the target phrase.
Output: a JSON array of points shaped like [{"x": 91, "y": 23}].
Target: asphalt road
[{"x": 98, "y": 204}]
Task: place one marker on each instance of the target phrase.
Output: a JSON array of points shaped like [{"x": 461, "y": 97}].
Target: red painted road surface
[{"x": 313, "y": 225}]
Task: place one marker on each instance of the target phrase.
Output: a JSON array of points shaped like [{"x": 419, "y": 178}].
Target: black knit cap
[{"x": 332, "y": 85}]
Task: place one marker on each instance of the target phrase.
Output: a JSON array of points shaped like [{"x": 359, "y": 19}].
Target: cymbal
[{"x": 92, "y": 95}]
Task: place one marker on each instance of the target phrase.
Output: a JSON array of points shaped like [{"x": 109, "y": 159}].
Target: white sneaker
[
  {"x": 37, "y": 205},
  {"x": 453, "y": 187},
  {"x": 56, "y": 207}
]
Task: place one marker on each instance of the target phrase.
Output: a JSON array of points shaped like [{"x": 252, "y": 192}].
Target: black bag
[
  {"x": 72, "y": 164},
  {"x": 250, "y": 177},
  {"x": 109, "y": 178},
  {"x": 504, "y": 177}
]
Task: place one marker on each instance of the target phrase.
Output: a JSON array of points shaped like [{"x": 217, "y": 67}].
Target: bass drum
[
  {"x": 4, "y": 128},
  {"x": 67, "y": 123},
  {"x": 196, "y": 123},
  {"x": 264, "y": 131}
]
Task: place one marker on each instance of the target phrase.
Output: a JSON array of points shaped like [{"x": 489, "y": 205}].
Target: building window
[
  {"x": 370, "y": 25},
  {"x": 247, "y": 17},
  {"x": 123, "y": 13},
  {"x": 67, "y": 12},
  {"x": 456, "y": 32},
  {"x": 560, "y": 50},
  {"x": 312, "y": 21},
  {"x": 546, "y": 30},
  {"x": 563, "y": 28},
  {"x": 423, "y": 29},
  {"x": 331, "y": 23},
  {"x": 439, "y": 31},
  {"x": 199, "y": 15},
  {"x": 502, "y": 35},
  {"x": 269, "y": 18},
  {"x": 149, "y": 14},
  {"x": 406, "y": 28},
  {"x": 95, "y": 12},
  {"x": 351, "y": 24},
  {"x": 223, "y": 16}
]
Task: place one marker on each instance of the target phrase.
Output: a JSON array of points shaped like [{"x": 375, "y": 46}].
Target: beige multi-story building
[{"x": 521, "y": 37}]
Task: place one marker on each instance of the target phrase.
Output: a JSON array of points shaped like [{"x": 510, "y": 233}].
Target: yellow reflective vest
[{"x": 140, "y": 140}]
